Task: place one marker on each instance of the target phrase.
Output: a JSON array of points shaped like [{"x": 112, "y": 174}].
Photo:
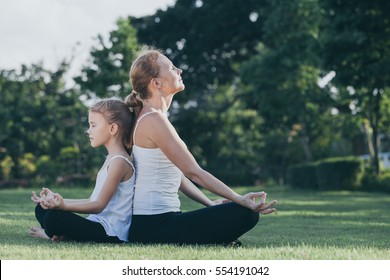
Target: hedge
[
  {"x": 303, "y": 176},
  {"x": 328, "y": 174},
  {"x": 339, "y": 173}
]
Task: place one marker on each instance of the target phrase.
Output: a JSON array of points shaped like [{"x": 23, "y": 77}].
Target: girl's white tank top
[{"x": 116, "y": 217}]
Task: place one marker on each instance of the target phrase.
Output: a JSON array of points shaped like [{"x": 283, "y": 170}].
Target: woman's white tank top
[{"x": 157, "y": 181}]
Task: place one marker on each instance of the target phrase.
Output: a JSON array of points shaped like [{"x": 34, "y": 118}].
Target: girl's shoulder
[{"x": 120, "y": 160}]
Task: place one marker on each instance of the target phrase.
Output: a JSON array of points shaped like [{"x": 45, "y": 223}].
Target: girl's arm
[
  {"x": 76, "y": 200},
  {"x": 164, "y": 136},
  {"x": 117, "y": 170},
  {"x": 46, "y": 194}
]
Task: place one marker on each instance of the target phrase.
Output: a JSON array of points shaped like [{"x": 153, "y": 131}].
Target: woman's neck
[{"x": 158, "y": 103}]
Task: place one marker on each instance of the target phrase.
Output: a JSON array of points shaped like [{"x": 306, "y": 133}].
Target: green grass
[{"x": 308, "y": 226}]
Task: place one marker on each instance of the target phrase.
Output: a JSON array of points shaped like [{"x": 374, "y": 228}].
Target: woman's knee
[
  {"x": 251, "y": 217},
  {"x": 247, "y": 216},
  {"x": 244, "y": 215}
]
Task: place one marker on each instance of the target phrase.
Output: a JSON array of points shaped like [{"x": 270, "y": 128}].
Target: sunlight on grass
[{"x": 308, "y": 225}]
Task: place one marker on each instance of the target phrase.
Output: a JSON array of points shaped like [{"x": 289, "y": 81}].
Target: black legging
[
  {"x": 220, "y": 224},
  {"x": 72, "y": 226}
]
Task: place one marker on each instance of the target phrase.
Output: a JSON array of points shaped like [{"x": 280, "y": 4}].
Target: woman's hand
[
  {"x": 220, "y": 201},
  {"x": 249, "y": 201}
]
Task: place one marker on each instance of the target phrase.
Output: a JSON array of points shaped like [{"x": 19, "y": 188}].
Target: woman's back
[{"x": 157, "y": 181}]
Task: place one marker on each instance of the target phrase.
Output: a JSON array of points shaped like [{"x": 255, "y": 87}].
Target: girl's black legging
[
  {"x": 72, "y": 226},
  {"x": 220, "y": 224}
]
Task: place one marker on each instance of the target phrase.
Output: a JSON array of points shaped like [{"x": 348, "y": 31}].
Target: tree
[
  {"x": 224, "y": 136},
  {"x": 283, "y": 81},
  {"x": 107, "y": 72},
  {"x": 38, "y": 118},
  {"x": 356, "y": 45},
  {"x": 207, "y": 39}
]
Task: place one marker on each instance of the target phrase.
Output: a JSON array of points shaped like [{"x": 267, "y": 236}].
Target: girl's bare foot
[{"x": 38, "y": 232}]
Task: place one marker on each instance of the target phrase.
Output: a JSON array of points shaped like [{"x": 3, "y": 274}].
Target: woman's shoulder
[
  {"x": 155, "y": 114},
  {"x": 154, "y": 119}
]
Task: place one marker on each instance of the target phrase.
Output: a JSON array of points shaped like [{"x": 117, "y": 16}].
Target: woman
[{"x": 164, "y": 165}]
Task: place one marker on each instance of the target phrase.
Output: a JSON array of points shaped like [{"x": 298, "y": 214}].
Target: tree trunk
[
  {"x": 375, "y": 130},
  {"x": 305, "y": 145}
]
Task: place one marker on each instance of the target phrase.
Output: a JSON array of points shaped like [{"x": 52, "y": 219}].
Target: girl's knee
[
  {"x": 39, "y": 210},
  {"x": 52, "y": 218}
]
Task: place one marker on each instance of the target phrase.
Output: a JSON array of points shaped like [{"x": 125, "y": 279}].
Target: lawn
[{"x": 309, "y": 225}]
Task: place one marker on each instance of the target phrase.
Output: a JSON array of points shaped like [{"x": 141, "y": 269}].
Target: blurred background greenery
[{"x": 277, "y": 92}]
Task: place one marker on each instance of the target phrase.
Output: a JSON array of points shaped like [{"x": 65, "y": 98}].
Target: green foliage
[
  {"x": 371, "y": 182},
  {"x": 40, "y": 117},
  {"x": 252, "y": 105},
  {"x": 208, "y": 41},
  {"x": 339, "y": 173},
  {"x": 283, "y": 86},
  {"x": 6, "y": 166},
  {"x": 303, "y": 176},
  {"x": 47, "y": 170},
  {"x": 224, "y": 136},
  {"x": 26, "y": 166},
  {"x": 356, "y": 45},
  {"x": 106, "y": 74}
]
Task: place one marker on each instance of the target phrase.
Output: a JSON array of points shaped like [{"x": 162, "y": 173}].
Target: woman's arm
[
  {"x": 164, "y": 136},
  {"x": 190, "y": 190}
]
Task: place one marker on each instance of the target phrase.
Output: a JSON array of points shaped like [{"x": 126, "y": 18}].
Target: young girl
[{"x": 110, "y": 204}]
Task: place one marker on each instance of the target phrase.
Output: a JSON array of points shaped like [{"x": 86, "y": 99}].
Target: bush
[
  {"x": 384, "y": 182},
  {"x": 339, "y": 173},
  {"x": 26, "y": 166},
  {"x": 372, "y": 182},
  {"x": 6, "y": 166},
  {"x": 303, "y": 176},
  {"x": 328, "y": 174},
  {"x": 47, "y": 170}
]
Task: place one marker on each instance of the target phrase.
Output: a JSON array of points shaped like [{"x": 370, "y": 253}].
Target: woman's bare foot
[
  {"x": 58, "y": 238},
  {"x": 38, "y": 232}
]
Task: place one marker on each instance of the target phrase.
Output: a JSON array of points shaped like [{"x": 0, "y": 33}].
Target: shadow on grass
[
  {"x": 341, "y": 219},
  {"x": 320, "y": 219}
]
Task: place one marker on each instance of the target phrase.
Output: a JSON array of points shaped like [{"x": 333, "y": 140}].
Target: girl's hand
[
  {"x": 43, "y": 195},
  {"x": 53, "y": 201},
  {"x": 35, "y": 198},
  {"x": 45, "y": 192}
]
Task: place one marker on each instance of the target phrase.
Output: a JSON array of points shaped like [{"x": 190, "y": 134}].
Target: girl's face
[
  {"x": 99, "y": 129},
  {"x": 170, "y": 76}
]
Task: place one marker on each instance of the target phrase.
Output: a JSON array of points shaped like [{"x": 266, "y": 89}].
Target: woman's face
[{"x": 170, "y": 76}]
